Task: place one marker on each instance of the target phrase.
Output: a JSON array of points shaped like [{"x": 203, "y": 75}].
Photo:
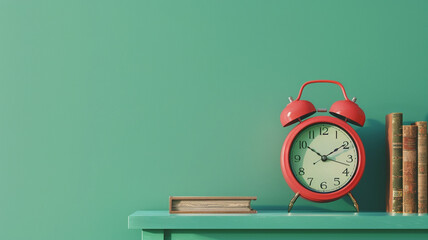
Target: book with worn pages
[
  {"x": 410, "y": 166},
  {"x": 394, "y": 151},
  {"x": 422, "y": 166},
  {"x": 211, "y": 204}
]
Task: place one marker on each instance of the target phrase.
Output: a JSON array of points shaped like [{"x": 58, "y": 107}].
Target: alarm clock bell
[{"x": 347, "y": 110}]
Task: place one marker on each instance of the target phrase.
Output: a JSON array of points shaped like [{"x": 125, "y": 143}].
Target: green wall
[{"x": 108, "y": 107}]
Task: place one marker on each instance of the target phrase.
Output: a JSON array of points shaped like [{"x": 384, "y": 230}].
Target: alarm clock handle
[{"x": 322, "y": 81}]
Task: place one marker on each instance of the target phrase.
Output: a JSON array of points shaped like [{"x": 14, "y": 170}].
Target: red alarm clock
[{"x": 322, "y": 158}]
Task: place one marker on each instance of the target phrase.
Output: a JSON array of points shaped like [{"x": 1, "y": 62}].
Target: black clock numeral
[
  {"x": 303, "y": 144},
  {"x": 311, "y": 134},
  {"x": 310, "y": 180},
  {"x": 336, "y": 134},
  {"x": 350, "y": 159},
  {"x": 346, "y": 172},
  {"x": 301, "y": 171},
  {"x": 323, "y": 131},
  {"x": 336, "y": 180},
  {"x": 346, "y": 143},
  {"x": 297, "y": 158},
  {"x": 323, "y": 185}
]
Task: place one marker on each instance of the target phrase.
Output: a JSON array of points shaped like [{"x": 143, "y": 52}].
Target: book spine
[
  {"x": 410, "y": 199},
  {"x": 422, "y": 166},
  {"x": 394, "y": 138}
]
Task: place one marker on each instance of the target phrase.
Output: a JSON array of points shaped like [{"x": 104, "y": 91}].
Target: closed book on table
[
  {"x": 422, "y": 166},
  {"x": 211, "y": 204},
  {"x": 394, "y": 151},
  {"x": 410, "y": 175}
]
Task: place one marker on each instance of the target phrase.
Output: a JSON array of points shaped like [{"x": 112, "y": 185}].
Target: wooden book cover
[
  {"x": 422, "y": 166},
  {"x": 394, "y": 145},
  {"x": 410, "y": 175},
  {"x": 211, "y": 204}
]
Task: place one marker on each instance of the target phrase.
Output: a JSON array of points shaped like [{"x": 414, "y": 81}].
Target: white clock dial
[{"x": 323, "y": 157}]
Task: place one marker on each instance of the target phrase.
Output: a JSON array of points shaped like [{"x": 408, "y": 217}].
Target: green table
[{"x": 159, "y": 225}]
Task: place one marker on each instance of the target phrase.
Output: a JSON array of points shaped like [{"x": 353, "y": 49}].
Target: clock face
[{"x": 323, "y": 157}]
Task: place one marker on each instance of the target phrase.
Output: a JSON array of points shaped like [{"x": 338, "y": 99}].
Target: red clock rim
[{"x": 292, "y": 181}]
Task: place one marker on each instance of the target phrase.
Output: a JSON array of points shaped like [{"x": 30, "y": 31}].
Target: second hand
[{"x": 317, "y": 161}]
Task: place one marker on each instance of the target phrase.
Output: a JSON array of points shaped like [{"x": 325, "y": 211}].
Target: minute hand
[{"x": 335, "y": 150}]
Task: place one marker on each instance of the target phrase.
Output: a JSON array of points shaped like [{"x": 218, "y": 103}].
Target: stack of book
[{"x": 407, "y": 165}]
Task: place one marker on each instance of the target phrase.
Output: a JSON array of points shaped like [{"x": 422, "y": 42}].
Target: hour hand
[{"x": 315, "y": 151}]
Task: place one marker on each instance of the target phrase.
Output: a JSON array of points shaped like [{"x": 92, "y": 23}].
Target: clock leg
[
  {"x": 354, "y": 201},
  {"x": 290, "y": 206}
]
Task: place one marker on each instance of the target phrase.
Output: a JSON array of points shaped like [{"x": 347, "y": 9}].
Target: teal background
[{"x": 110, "y": 107}]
